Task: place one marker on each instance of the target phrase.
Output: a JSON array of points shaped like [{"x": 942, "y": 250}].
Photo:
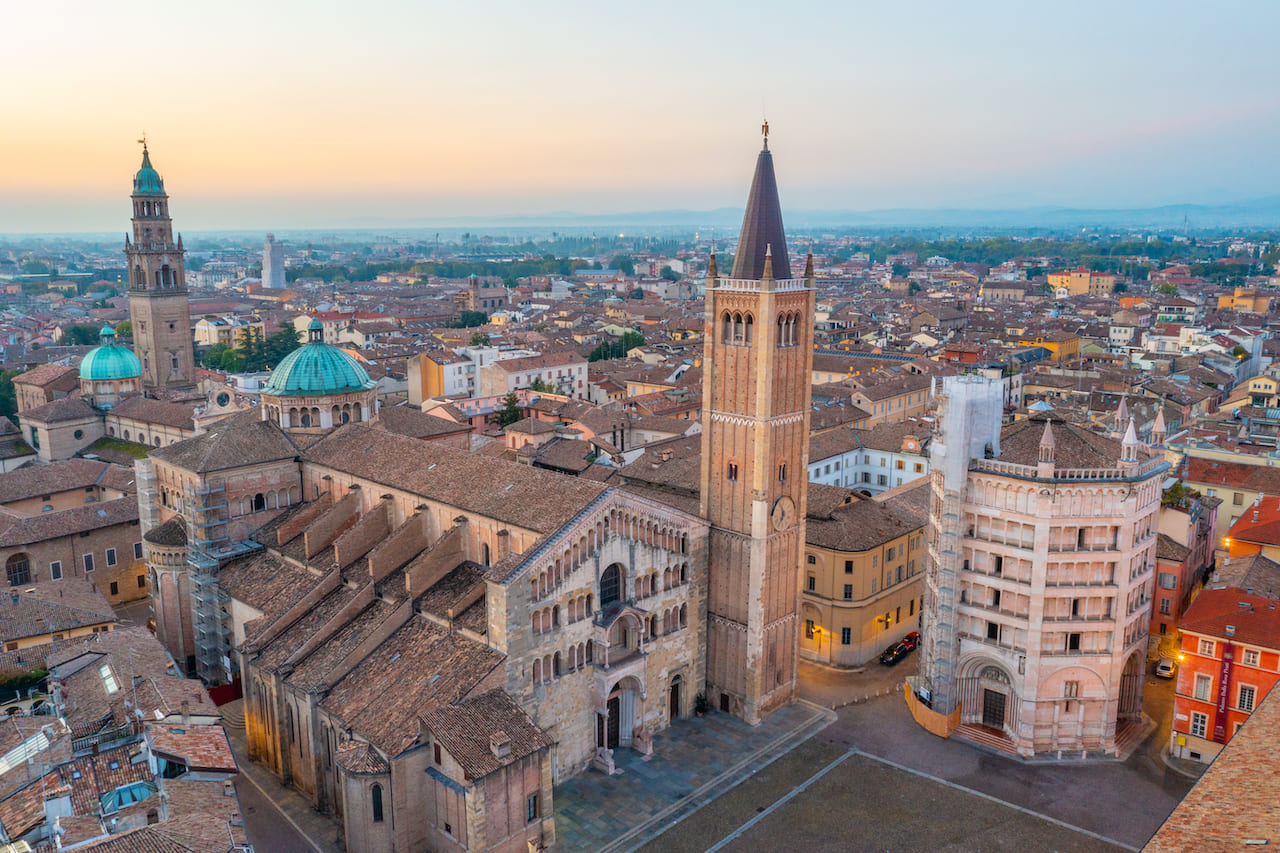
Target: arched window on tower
[
  {"x": 737, "y": 328},
  {"x": 746, "y": 335},
  {"x": 376, "y": 795},
  {"x": 782, "y": 330},
  {"x": 726, "y": 335},
  {"x": 139, "y": 277}
]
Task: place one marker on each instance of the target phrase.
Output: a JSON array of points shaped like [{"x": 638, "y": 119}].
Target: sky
[{"x": 285, "y": 115}]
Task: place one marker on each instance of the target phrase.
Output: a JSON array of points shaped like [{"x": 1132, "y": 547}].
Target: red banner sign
[{"x": 1224, "y": 693}]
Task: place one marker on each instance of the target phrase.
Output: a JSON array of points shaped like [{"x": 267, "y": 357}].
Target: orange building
[
  {"x": 1257, "y": 530},
  {"x": 1230, "y": 653}
]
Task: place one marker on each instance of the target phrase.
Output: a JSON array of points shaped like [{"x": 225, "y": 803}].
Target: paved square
[{"x": 696, "y": 759}]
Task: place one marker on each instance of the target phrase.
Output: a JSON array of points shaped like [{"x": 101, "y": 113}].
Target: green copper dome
[
  {"x": 109, "y": 360},
  {"x": 315, "y": 368},
  {"x": 147, "y": 181}
]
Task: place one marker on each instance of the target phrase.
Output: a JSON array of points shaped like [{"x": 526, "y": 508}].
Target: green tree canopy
[
  {"x": 510, "y": 411},
  {"x": 469, "y": 320},
  {"x": 125, "y": 329},
  {"x": 623, "y": 263},
  {"x": 479, "y": 339},
  {"x": 618, "y": 348},
  {"x": 80, "y": 335},
  {"x": 669, "y": 274}
]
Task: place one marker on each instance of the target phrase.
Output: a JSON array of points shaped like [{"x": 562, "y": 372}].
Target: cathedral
[{"x": 428, "y": 640}]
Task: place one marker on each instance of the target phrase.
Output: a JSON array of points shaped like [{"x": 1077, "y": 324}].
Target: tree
[
  {"x": 279, "y": 344},
  {"x": 212, "y": 357},
  {"x": 79, "y": 335},
  {"x": 901, "y": 270},
  {"x": 638, "y": 293},
  {"x": 479, "y": 339},
  {"x": 469, "y": 320},
  {"x": 1120, "y": 287},
  {"x": 8, "y": 394},
  {"x": 619, "y": 348},
  {"x": 510, "y": 411},
  {"x": 669, "y": 274},
  {"x": 624, "y": 263},
  {"x": 125, "y": 329},
  {"x": 913, "y": 287},
  {"x": 541, "y": 387}
]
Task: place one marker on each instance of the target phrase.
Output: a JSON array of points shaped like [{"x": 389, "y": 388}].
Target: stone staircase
[{"x": 986, "y": 736}]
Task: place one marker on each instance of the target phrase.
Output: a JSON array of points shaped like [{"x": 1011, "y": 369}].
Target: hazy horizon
[{"x": 282, "y": 117}]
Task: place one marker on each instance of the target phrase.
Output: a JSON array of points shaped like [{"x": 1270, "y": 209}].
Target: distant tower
[
  {"x": 273, "y": 264},
  {"x": 759, "y": 357},
  {"x": 158, "y": 304}
]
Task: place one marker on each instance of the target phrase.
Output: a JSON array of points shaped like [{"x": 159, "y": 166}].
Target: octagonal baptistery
[
  {"x": 109, "y": 371},
  {"x": 318, "y": 387}
]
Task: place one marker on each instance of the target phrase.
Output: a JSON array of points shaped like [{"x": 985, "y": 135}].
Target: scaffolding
[
  {"x": 969, "y": 414},
  {"x": 209, "y": 546}
]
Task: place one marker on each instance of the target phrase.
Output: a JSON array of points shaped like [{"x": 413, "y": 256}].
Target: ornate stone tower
[
  {"x": 158, "y": 303},
  {"x": 755, "y": 453}
]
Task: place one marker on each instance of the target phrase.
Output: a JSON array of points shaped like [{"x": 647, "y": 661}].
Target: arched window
[
  {"x": 750, "y": 322},
  {"x": 737, "y": 328},
  {"x": 782, "y": 331},
  {"x": 139, "y": 279},
  {"x": 484, "y": 554},
  {"x": 611, "y": 585},
  {"x": 17, "y": 569},
  {"x": 355, "y": 412},
  {"x": 726, "y": 335},
  {"x": 259, "y": 502},
  {"x": 684, "y": 615},
  {"x": 306, "y": 418},
  {"x": 376, "y": 793}
]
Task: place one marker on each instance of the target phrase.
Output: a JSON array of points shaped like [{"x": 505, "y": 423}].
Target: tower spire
[{"x": 762, "y": 223}]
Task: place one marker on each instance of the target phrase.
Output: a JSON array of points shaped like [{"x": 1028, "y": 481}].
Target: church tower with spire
[
  {"x": 757, "y": 369},
  {"x": 159, "y": 307}
]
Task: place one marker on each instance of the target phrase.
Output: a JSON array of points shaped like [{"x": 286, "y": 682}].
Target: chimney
[{"x": 500, "y": 744}]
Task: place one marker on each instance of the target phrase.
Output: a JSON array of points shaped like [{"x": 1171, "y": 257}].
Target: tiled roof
[
  {"x": 1253, "y": 619},
  {"x": 1238, "y": 797},
  {"x": 1168, "y": 548},
  {"x": 80, "y": 519},
  {"x": 362, "y": 759},
  {"x": 49, "y": 374},
  {"x": 200, "y": 747},
  {"x": 858, "y": 526},
  {"x": 172, "y": 533},
  {"x": 177, "y": 415},
  {"x": 1073, "y": 447},
  {"x": 1259, "y": 523},
  {"x": 417, "y": 669},
  {"x": 239, "y": 440},
  {"x": 65, "y": 409},
  {"x": 49, "y": 607},
  {"x": 465, "y": 729},
  {"x": 531, "y": 498},
  {"x": 415, "y": 423},
  {"x": 34, "y": 480},
  {"x": 1255, "y": 574}
]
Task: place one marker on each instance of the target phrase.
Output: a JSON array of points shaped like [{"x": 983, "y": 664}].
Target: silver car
[{"x": 1165, "y": 667}]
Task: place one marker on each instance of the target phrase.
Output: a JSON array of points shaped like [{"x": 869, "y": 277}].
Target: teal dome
[
  {"x": 315, "y": 368},
  {"x": 147, "y": 181},
  {"x": 109, "y": 360}
]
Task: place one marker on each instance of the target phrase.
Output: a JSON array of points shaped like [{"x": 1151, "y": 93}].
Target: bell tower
[
  {"x": 755, "y": 449},
  {"x": 159, "y": 307}
]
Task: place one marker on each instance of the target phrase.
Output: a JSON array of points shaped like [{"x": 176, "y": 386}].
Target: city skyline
[{"x": 279, "y": 118}]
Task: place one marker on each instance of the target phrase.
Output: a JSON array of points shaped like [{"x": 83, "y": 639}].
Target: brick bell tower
[
  {"x": 159, "y": 307},
  {"x": 755, "y": 453}
]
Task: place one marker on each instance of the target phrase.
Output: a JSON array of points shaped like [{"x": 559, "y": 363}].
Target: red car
[{"x": 912, "y": 639}]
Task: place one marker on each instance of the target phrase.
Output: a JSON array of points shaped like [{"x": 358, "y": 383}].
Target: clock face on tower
[{"x": 784, "y": 513}]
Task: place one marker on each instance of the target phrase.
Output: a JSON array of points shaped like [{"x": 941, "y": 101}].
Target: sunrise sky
[{"x": 293, "y": 114}]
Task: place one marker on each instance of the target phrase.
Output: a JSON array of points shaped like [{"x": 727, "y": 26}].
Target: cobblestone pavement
[{"x": 693, "y": 762}]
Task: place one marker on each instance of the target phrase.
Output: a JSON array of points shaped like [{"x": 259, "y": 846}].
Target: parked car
[
  {"x": 1166, "y": 667},
  {"x": 896, "y": 652},
  {"x": 912, "y": 639}
]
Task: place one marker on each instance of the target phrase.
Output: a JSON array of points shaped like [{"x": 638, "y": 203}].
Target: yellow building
[
  {"x": 1246, "y": 299},
  {"x": 1083, "y": 282},
  {"x": 1064, "y": 346},
  {"x": 863, "y": 579}
]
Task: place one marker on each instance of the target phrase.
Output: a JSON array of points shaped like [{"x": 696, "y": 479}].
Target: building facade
[
  {"x": 1230, "y": 655},
  {"x": 273, "y": 264},
  {"x": 1042, "y": 542}
]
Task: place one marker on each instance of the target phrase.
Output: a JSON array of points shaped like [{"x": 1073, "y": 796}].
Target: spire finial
[{"x": 764, "y": 131}]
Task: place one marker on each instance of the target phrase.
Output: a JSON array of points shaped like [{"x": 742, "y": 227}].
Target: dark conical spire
[{"x": 762, "y": 225}]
